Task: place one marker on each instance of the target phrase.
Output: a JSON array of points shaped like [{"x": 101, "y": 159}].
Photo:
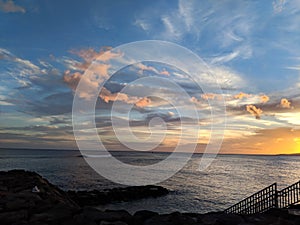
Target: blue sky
[{"x": 252, "y": 48}]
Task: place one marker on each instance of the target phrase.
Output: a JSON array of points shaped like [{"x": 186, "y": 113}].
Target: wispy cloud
[
  {"x": 278, "y": 5},
  {"x": 22, "y": 70},
  {"x": 10, "y": 7},
  {"x": 142, "y": 24}
]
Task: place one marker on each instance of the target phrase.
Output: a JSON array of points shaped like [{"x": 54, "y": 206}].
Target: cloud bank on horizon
[{"x": 251, "y": 48}]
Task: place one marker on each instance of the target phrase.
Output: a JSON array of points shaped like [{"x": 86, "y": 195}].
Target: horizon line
[{"x": 114, "y": 150}]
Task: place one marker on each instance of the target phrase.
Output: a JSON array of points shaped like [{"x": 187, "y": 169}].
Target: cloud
[
  {"x": 28, "y": 64},
  {"x": 90, "y": 54},
  {"x": 140, "y": 102},
  {"x": 254, "y": 111},
  {"x": 26, "y": 72},
  {"x": 291, "y": 118},
  {"x": 284, "y": 103},
  {"x": 229, "y": 24},
  {"x": 142, "y": 24},
  {"x": 225, "y": 58},
  {"x": 38, "y": 136},
  {"x": 171, "y": 30},
  {"x": 96, "y": 73},
  {"x": 10, "y": 7},
  {"x": 264, "y": 98},
  {"x": 25, "y": 67},
  {"x": 195, "y": 100},
  {"x": 142, "y": 67},
  {"x": 224, "y": 77},
  {"x": 57, "y": 103},
  {"x": 242, "y": 95},
  {"x": 208, "y": 96},
  {"x": 143, "y": 102},
  {"x": 278, "y": 6},
  {"x": 165, "y": 72},
  {"x": 279, "y": 140}
]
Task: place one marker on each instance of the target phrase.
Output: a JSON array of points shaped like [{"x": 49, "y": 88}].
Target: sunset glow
[{"x": 251, "y": 49}]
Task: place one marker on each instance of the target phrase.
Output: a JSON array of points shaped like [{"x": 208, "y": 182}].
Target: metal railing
[
  {"x": 266, "y": 199},
  {"x": 289, "y": 195},
  {"x": 259, "y": 202}
]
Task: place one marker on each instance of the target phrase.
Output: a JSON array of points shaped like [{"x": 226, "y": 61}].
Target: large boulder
[{"x": 96, "y": 197}]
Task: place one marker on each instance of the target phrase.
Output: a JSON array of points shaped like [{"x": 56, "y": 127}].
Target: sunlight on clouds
[
  {"x": 94, "y": 73},
  {"x": 266, "y": 141},
  {"x": 254, "y": 111},
  {"x": 291, "y": 118},
  {"x": 140, "y": 102},
  {"x": 284, "y": 103},
  {"x": 242, "y": 95}
]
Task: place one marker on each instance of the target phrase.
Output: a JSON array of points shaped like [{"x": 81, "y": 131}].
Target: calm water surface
[{"x": 229, "y": 178}]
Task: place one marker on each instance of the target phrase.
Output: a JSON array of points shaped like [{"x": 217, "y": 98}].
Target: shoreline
[{"x": 28, "y": 198}]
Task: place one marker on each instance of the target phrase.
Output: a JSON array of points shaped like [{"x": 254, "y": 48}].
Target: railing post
[{"x": 276, "y": 197}]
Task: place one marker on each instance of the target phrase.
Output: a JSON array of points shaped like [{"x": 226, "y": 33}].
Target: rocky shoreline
[{"x": 28, "y": 199}]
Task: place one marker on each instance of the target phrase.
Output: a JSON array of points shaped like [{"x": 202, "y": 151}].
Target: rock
[
  {"x": 92, "y": 214},
  {"x": 12, "y": 217},
  {"x": 15, "y": 204},
  {"x": 158, "y": 220},
  {"x": 143, "y": 215},
  {"x": 115, "y": 215},
  {"x": 230, "y": 219},
  {"x": 173, "y": 218},
  {"x": 95, "y": 197},
  {"x": 22, "y": 182},
  {"x": 210, "y": 218},
  {"x": 96, "y": 215},
  {"x": 80, "y": 219},
  {"x": 113, "y": 223}
]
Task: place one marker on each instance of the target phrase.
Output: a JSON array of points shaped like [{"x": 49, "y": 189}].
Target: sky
[{"x": 252, "y": 50}]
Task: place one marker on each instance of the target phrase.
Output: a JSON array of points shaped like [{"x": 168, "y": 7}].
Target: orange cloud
[
  {"x": 143, "y": 102},
  {"x": 96, "y": 74},
  {"x": 284, "y": 103},
  {"x": 107, "y": 96},
  {"x": 264, "y": 98},
  {"x": 242, "y": 95},
  {"x": 254, "y": 111},
  {"x": 143, "y": 67},
  {"x": 207, "y": 96},
  {"x": 194, "y": 100},
  {"x": 165, "y": 72}
]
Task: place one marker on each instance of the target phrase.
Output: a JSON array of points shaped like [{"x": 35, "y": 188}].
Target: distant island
[{"x": 292, "y": 154}]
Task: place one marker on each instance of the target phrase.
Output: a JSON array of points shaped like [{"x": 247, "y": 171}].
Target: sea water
[{"x": 229, "y": 178}]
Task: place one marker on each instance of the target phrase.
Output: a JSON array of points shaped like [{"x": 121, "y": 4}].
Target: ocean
[{"x": 229, "y": 179}]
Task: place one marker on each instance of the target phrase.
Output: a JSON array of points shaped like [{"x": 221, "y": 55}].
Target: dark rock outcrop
[
  {"x": 19, "y": 204},
  {"x": 95, "y": 197}
]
